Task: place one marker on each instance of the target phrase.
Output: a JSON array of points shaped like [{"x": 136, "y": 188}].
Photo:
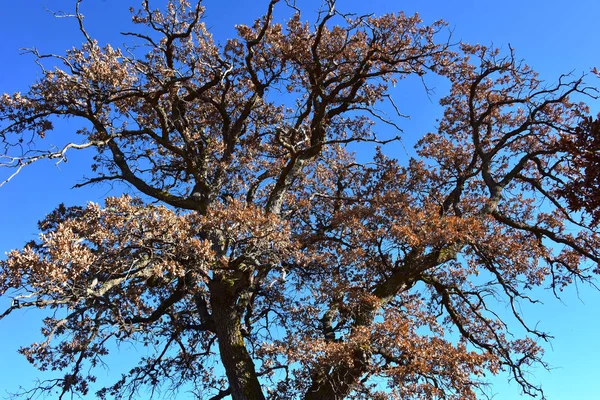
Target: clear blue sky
[{"x": 551, "y": 35}]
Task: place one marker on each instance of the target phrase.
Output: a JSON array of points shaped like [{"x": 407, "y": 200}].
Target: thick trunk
[{"x": 238, "y": 364}]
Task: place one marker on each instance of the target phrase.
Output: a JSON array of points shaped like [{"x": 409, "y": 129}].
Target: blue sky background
[{"x": 552, "y": 36}]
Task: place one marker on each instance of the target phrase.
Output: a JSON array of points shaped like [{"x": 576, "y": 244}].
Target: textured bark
[{"x": 238, "y": 364}]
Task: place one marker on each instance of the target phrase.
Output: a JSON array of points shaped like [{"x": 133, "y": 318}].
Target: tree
[{"x": 257, "y": 235}]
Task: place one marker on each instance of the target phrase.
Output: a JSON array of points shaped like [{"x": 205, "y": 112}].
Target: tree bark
[{"x": 239, "y": 367}]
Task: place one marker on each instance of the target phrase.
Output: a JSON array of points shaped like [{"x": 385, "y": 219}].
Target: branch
[
  {"x": 21, "y": 162},
  {"x": 222, "y": 394}
]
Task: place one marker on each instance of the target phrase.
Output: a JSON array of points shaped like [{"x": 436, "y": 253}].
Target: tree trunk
[{"x": 238, "y": 364}]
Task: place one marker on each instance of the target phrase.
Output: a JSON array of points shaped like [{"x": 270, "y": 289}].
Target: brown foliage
[
  {"x": 275, "y": 265},
  {"x": 582, "y": 188}
]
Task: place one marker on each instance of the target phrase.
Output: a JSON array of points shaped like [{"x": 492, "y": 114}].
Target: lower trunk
[{"x": 238, "y": 364}]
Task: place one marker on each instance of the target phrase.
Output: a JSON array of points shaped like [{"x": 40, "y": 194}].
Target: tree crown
[{"x": 259, "y": 237}]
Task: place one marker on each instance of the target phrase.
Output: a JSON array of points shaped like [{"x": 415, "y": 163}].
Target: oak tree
[{"x": 260, "y": 258}]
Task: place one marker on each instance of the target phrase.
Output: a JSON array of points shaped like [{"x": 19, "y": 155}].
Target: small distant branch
[
  {"x": 17, "y": 303},
  {"x": 78, "y": 16},
  {"x": 81, "y": 27},
  {"x": 60, "y": 14},
  {"x": 21, "y": 162}
]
